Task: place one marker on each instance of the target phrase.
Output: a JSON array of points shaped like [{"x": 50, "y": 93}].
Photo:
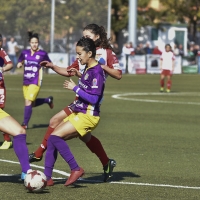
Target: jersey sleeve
[
  {"x": 75, "y": 65},
  {"x": 21, "y": 57},
  {"x": 4, "y": 57},
  {"x": 112, "y": 60},
  {"x": 46, "y": 57}
]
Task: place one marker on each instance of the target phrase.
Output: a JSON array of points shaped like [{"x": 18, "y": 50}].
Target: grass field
[{"x": 154, "y": 137}]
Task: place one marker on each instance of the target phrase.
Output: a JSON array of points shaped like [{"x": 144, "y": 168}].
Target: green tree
[{"x": 183, "y": 11}]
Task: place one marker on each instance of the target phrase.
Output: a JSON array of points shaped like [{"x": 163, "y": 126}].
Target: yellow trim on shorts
[
  {"x": 3, "y": 114},
  {"x": 31, "y": 92},
  {"x": 83, "y": 123}
]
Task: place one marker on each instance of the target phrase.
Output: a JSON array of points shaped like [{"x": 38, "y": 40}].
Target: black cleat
[
  {"x": 32, "y": 158},
  {"x": 108, "y": 169},
  {"x": 51, "y": 102}
]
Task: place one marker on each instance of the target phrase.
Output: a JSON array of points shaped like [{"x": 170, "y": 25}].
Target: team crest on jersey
[
  {"x": 94, "y": 83},
  {"x": 86, "y": 76},
  {"x": 37, "y": 57}
]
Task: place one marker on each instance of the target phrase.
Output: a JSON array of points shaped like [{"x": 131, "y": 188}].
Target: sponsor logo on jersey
[
  {"x": 31, "y": 68},
  {"x": 94, "y": 83},
  {"x": 37, "y": 57},
  {"x": 86, "y": 76},
  {"x": 29, "y": 75}
]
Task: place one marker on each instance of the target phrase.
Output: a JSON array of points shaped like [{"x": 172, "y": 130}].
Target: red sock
[
  {"x": 162, "y": 83},
  {"x": 169, "y": 83},
  {"x": 95, "y": 147},
  {"x": 42, "y": 148},
  {"x": 6, "y": 137}
]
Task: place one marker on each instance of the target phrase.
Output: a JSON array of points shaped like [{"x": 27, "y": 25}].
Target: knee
[{"x": 54, "y": 121}]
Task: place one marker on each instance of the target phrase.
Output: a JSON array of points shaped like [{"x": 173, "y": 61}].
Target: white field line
[
  {"x": 125, "y": 95},
  {"x": 97, "y": 181},
  {"x": 52, "y": 90}
]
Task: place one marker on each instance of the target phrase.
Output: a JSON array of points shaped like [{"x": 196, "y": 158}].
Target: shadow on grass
[
  {"x": 39, "y": 126},
  {"x": 97, "y": 179}
]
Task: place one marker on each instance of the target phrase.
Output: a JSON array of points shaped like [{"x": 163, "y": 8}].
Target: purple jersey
[
  {"x": 32, "y": 70},
  {"x": 92, "y": 82}
]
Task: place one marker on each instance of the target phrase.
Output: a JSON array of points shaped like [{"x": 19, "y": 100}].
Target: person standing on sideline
[
  {"x": 167, "y": 67},
  {"x": 33, "y": 73},
  {"x": 12, "y": 48},
  {"x": 5, "y": 65}
]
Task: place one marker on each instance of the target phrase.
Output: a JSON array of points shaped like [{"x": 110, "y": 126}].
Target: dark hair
[
  {"x": 168, "y": 45},
  {"x": 102, "y": 42},
  {"x": 88, "y": 45},
  {"x": 0, "y": 36},
  {"x": 31, "y": 35}
]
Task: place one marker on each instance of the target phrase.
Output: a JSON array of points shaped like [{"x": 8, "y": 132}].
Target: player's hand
[
  {"x": 19, "y": 65},
  {"x": 69, "y": 84},
  {"x": 47, "y": 64},
  {"x": 74, "y": 72}
]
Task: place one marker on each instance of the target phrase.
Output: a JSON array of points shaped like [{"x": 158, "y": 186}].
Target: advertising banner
[
  {"x": 137, "y": 64},
  {"x": 153, "y": 64},
  {"x": 189, "y": 65}
]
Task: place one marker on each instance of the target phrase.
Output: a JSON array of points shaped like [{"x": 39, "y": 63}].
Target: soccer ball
[{"x": 35, "y": 181}]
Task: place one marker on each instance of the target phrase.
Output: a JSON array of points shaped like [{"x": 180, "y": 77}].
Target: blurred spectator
[
  {"x": 176, "y": 50},
  {"x": 147, "y": 48},
  {"x": 128, "y": 49},
  {"x": 181, "y": 51},
  {"x": 46, "y": 46},
  {"x": 156, "y": 51},
  {"x": 116, "y": 49},
  {"x": 191, "y": 52},
  {"x": 12, "y": 51},
  {"x": 195, "y": 50},
  {"x": 4, "y": 45},
  {"x": 139, "y": 50}
]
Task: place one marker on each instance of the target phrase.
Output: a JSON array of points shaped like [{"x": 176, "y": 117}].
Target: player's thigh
[
  {"x": 9, "y": 125},
  {"x": 57, "y": 118},
  {"x": 65, "y": 130}
]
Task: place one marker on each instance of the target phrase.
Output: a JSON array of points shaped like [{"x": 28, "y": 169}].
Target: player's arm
[
  {"x": 20, "y": 60},
  {"x": 173, "y": 62},
  {"x": 112, "y": 67},
  {"x": 74, "y": 72},
  {"x": 59, "y": 70},
  {"x": 91, "y": 98},
  {"x": 7, "y": 67},
  {"x": 114, "y": 73},
  {"x": 161, "y": 62}
]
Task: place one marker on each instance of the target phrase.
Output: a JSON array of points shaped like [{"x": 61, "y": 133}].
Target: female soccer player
[
  {"x": 33, "y": 72},
  {"x": 110, "y": 64},
  {"x": 5, "y": 65},
  {"x": 167, "y": 67},
  {"x": 85, "y": 116}
]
